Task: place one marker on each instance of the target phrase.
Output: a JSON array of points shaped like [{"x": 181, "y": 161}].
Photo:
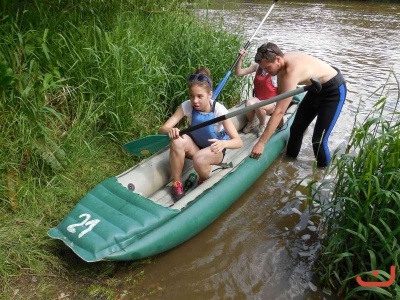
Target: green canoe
[{"x": 132, "y": 216}]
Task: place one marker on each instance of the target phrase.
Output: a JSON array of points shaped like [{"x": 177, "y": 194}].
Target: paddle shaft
[
  {"x": 316, "y": 85},
  {"x": 154, "y": 143},
  {"x": 246, "y": 45}
]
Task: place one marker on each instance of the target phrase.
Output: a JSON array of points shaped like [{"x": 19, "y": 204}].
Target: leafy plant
[
  {"x": 361, "y": 220},
  {"x": 77, "y": 80}
]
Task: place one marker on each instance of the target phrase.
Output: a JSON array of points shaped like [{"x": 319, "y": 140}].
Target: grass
[
  {"x": 77, "y": 81},
  {"x": 361, "y": 219}
]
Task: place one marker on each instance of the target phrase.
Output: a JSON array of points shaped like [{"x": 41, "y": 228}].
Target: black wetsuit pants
[{"x": 326, "y": 106}]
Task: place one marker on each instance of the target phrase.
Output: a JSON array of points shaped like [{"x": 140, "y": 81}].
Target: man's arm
[
  {"x": 286, "y": 83},
  {"x": 271, "y": 127}
]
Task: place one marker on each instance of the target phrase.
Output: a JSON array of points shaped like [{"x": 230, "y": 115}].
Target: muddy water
[{"x": 264, "y": 246}]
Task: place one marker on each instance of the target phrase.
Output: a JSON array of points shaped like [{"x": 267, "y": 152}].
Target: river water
[{"x": 265, "y": 245}]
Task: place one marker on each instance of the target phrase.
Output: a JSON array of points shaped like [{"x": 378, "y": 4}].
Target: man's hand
[{"x": 257, "y": 151}]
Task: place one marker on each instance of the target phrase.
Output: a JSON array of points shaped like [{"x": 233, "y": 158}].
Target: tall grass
[
  {"x": 361, "y": 220},
  {"x": 77, "y": 80}
]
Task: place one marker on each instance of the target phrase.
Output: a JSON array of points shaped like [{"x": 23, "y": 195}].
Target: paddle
[
  {"x": 246, "y": 45},
  {"x": 153, "y": 143}
]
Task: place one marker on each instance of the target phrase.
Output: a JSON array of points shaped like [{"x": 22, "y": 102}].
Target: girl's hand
[
  {"x": 242, "y": 52},
  {"x": 217, "y": 145},
  {"x": 173, "y": 133}
]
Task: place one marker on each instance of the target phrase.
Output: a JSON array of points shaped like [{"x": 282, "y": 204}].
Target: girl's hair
[
  {"x": 268, "y": 51},
  {"x": 201, "y": 77}
]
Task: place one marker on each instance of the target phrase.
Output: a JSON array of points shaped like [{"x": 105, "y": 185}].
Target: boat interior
[{"x": 151, "y": 178}]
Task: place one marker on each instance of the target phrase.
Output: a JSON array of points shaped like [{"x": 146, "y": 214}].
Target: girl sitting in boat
[
  {"x": 265, "y": 87},
  {"x": 205, "y": 146}
]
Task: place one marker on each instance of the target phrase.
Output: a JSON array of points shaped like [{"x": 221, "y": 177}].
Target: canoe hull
[
  {"x": 123, "y": 219},
  {"x": 204, "y": 210}
]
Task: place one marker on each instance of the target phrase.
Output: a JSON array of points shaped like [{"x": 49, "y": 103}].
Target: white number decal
[{"x": 89, "y": 224}]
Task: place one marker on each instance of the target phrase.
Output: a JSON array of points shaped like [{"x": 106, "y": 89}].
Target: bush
[{"x": 361, "y": 221}]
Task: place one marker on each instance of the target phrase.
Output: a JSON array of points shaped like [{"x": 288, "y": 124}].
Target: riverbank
[
  {"x": 77, "y": 82},
  {"x": 37, "y": 196}
]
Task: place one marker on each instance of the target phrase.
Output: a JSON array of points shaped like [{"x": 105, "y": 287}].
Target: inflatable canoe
[{"x": 132, "y": 216}]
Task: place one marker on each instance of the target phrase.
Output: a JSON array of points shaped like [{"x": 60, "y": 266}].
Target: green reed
[
  {"x": 361, "y": 220},
  {"x": 77, "y": 81}
]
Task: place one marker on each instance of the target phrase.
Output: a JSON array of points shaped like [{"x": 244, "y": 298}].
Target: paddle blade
[{"x": 147, "y": 145}]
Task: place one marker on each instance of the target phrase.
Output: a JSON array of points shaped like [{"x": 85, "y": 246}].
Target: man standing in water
[{"x": 295, "y": 68}]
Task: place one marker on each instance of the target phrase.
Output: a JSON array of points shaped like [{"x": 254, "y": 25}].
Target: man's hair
[{"x": 268, "y": 51}]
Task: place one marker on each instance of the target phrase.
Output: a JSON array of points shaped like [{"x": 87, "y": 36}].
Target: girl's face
[{"x": 200, "y": 97}]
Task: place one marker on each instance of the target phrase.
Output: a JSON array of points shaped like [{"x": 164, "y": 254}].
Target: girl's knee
[
  {"x": 178, "y": 144},
  {"x": 269, "y": 109},
  {"x": 252, "y": 101}
]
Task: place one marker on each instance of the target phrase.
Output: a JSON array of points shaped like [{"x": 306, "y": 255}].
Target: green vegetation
[
  {"x": 78, "y": 79},
  {"x": 361, "y": 220}
]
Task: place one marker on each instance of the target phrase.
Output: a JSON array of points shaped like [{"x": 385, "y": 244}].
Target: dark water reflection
[{"x": 265, "y": 245}]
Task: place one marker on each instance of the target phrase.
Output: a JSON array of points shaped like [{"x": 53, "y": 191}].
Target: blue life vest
[{"x": 202, "y": 135}]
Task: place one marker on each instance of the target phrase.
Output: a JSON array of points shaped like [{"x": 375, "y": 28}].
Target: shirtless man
[{"x": 295, "y": 68}]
